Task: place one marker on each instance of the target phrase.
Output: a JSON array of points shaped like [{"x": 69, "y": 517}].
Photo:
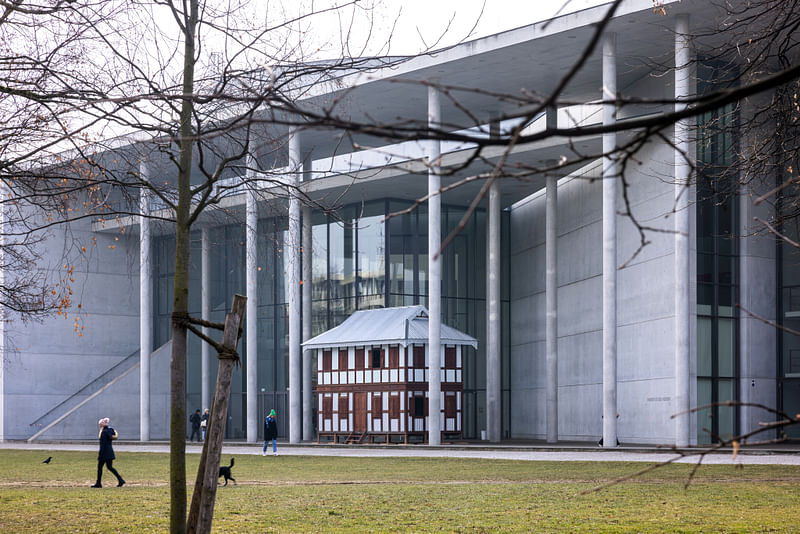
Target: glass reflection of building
[{"x": 360, "y": 260}]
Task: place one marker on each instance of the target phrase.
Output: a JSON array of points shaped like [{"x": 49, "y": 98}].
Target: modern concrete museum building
[{"x": 581, "y": 334}]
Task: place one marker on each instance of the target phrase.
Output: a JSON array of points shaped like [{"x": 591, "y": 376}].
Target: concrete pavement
[{"x": 567, "y": 453}]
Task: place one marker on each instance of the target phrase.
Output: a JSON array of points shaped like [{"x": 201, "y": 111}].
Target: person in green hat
[{"x": 270, "y": 432}]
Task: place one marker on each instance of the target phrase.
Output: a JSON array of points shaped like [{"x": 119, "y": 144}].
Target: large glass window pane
[
  {"x": 704, "y": 348},
  {"x": 726, "y": 417},
  {"x": 422, "y": 246},
  {"x": 342, "y": 257},
  {"x": 267, "y": 363},
  {"x": 705, "y": 270},
  {"x": 791, "y": 349},
  {"x": 704, "y": 421},
  {"x": 705, "y": 298},
  {"x": 726, "y": 344},
  {"x": 791, "y": 404},
  {"x": 319, "y": 260},
  {"x": 402, "y": 253},
  {"x": 267, "y": 268},
  {"x": 371, "y": 261},
  {"x": 282, "y": 246}
]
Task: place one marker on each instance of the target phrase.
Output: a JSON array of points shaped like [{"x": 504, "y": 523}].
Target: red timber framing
[{"x": 379, "y": 393}]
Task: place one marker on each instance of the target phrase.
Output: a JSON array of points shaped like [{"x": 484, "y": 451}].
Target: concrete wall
[
  {"x": 47, "y": 362},
  {"x": 645, "y": 317}
]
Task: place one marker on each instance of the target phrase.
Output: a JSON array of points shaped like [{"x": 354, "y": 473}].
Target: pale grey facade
[{"x": 583, "y": 333}]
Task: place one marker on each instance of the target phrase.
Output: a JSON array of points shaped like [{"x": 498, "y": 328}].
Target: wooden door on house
[{"x": 360, "y": 412}]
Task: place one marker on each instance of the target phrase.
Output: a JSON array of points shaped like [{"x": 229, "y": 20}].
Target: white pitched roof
[{"x": 386, "y": 326}]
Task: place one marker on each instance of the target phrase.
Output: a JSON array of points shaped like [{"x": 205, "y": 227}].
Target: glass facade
[
  {"x": 789, "y": 313},
  {"x": 717, "y": 259},
  {"x": 360, "y": 260}
]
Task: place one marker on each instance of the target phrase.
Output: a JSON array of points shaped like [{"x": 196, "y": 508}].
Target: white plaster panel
[
  {"x": 579, "y": 412},
  {"x": 579, "y": 203},
  {"x": 527, "y": 271},
  {"x": 646, "y": 291},
  {"x": 580, "y": 254},
  {"x": 758, "y": 391},
  {"x": 580, "y": 359},
  {"x": 757, "y": 290},
  {"x": 646, "y": 350},
  {"x": 527, "y": 366},
  {"x": 528, "y": 415},
  {"x": 580, "y": 307},
  {"x": 758, "y": 349},
  {"x": 527, "y": 225},
  {"x": 645, "y": 400},
  {"x": 528, "y": 319}
]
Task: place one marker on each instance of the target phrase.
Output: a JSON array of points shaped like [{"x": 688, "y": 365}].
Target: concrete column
[
  {"x": 551, "y": 303},
  {"x": 3, "y": 194},
  {"x": 682, "y": 271},
  {"x": 145, "y": 307},
  {"x": 293, "y": 271},
  {"x": 434, "y": 277},
  {"x": 251, "y": 315},
  {"x": 308, "y": 394},
  {"x": 205, "y": 313},
  {"x": 494, "y": 399},
  {"x": 609, "y": 244}
]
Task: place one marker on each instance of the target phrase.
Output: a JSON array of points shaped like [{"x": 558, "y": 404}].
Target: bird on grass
[{"x": 48, "y": 460}]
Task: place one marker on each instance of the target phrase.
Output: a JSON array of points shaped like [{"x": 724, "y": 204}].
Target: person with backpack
[{"x": 270, "y": 432}]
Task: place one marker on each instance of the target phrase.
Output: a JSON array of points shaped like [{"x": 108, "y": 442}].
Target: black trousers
[
  {"x": 110, "y": 465},
  {"x": 195, "y": 432}
]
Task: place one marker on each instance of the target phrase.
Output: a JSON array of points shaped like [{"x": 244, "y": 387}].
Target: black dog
[{"x": 225, "y": 471}]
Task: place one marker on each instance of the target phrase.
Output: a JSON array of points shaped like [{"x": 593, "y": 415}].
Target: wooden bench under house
[{"x": 372, "y": 377}]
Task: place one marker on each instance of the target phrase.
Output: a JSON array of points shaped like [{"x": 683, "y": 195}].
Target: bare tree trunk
[
  {"x": 177, "y": 437},
  {"x": 201, "y": 513}
]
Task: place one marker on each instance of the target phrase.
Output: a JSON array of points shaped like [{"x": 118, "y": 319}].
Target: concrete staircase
[{"x": 74, "y": 402}]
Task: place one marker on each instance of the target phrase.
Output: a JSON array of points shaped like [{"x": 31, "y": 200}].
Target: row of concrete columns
[{"x": 301, "y": 425}]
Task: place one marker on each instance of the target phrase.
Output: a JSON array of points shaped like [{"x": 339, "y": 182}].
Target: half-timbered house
[{"x": 372, "y": 377}]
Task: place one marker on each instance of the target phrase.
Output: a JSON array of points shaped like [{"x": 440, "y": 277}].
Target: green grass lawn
[{"x": 318, "y": 494}]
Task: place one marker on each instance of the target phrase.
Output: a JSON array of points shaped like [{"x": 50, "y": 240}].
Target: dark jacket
[
  {"x": 195, "y": 420},
  {"x": 106, "y": 450},
  {"x": 270, "y": 428}
]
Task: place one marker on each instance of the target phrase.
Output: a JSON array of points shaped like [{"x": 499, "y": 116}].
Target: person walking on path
[
  {"x": 204, "y": 423},
  {"x": 106, "y": 455},
  {"x": 270, "y": 433},
  {"x": 195, "y": 420}
]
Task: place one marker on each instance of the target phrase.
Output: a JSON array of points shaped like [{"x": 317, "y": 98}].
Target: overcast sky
[{"x": 428, "y": 19}]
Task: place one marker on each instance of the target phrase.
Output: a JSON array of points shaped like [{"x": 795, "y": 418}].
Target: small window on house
[
  {"x": 419, "y": 406},
  {"x": 450, "y": 406},
  {"x": 376, "y": 358},
  {"x": 326, "y": 360},
  {"x": 343, "y": 360},
  {"x": 419, "y": 357},
  {"x": 359, "y": 359},
  {"x": 450, "y": 358},
  {"x": 377, "y": 406}
]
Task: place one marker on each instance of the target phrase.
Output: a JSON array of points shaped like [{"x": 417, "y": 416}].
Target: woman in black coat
[{"x": 106, "y": 455}]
